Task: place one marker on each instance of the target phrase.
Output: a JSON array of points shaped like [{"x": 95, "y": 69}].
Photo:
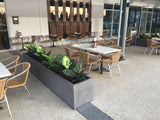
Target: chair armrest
[
  {"x": 97, "y": 57},
  {"x": 6, "y": 59}
]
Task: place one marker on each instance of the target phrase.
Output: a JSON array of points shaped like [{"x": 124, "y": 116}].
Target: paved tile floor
[{"x": 134, "y": 96}]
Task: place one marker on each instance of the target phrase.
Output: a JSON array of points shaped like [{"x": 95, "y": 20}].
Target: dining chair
[
  {"x": 113, "y": 62},
  {"x": 76, "y": 43},
  {"x": 13, "y": 60},
  {"x": 45, "y": 39},
  {"x": 152, "y": 44},
  {"x": 3, "y": 96},
  {"x": 58, "y": 39},
  {"x": 85, "y": 58},
  {"x": 75, "y": 54},
  {"x": 115, "y": 46},
  {"x": 15, "y": 41},
  {"x": 19, "y": 79},
  {"x": 33, "y": 39}
]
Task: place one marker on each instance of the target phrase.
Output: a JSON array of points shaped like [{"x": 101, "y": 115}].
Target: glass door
[{"x": 4, "y": 42}]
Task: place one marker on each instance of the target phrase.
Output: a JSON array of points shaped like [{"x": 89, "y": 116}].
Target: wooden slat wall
[{"x": 66, "y": 27}]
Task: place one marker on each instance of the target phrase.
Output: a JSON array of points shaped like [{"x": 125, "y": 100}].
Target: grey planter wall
[{"x": 74, "y": 95}]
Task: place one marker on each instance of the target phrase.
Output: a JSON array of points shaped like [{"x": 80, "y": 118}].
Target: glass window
[
  {"x": 115, "y": 23},
  {"x": 75, "y": 11},
  {"x": 108, "y": 6},
  {"x": 52, "y": 10},
  {"x": 68, "y": 10},
  {"x": 107, "y": 21},
  {"x": 87, "y": 11},
  {"x": 148, "y": 22},
  {"x": 81, "y": 11},
  {"x": 60, "y": 10},
  {"x": 143, "y": 22}
]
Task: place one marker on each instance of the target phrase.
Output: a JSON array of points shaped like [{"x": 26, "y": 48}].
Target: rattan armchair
[
  {"x": 86, "y": 58},
  {"x": 19, "y": 79},
  {"x": 75, "y": 54},
  {"x": 33, "y": 39},
  {"x": 3, "y": 97},
  {"x": 152, "y": 44},
  {"x": 13, "y": 60},
  {"x": 113, "y": 62}
]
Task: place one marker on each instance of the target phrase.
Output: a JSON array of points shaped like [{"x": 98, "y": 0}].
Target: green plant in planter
[
  {"x": 31, "y": 48},
  {"x": 49, "y": 60},
  {"x": 66, "y": 62},
  {"x": 158, "y": 35}
]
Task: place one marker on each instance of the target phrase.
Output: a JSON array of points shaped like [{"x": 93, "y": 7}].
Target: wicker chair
[
  {"x": 3, "y": 97},
  {"x": 113, "y": 62},
  {"x": 33, "y": 39},
  {"x": 85, "y": 59},
  {"x": 14, "y": 60},
  {"x": 21, "y": 78},
  {"x": 46, "y": 39},
  {"x": 58, "y": 38},
  {"x": 115, "y": 46},
  {"x": 15, "y": 41},
  {"x": 153, "y": 44},
  {"x": 75, "y": 55}
]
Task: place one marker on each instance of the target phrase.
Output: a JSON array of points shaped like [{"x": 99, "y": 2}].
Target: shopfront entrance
[{"x": 4, "y": 41}]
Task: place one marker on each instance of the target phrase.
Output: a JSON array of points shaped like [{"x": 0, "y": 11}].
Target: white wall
[
  {"x": 32, "y": 14},
  {"x": 97, "y": 16}
]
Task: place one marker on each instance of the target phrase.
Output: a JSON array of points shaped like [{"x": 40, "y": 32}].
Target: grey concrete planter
[{"x": 74, "y": 95}]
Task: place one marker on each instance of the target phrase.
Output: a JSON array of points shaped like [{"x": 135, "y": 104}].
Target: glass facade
[{"x": 143, "y": 19}]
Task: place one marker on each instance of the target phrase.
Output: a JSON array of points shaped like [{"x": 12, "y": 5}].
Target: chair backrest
[
  {"x": 26, "y": 66},
  {"x": 149, "y": 42},
  {"x": 33, "y": 37},
  {"x": 13, "y": 70},
  {"x": 68, "y": 52},
  {"x": 75, "y": 43},
  {"x": 115, "y": 46},
  {"x": 84, "y": 57},
  {"x": 2, "y": 88},
  {"x": 115, "y": 57}
]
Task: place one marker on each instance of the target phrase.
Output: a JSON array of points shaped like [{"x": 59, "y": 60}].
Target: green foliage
[
  {"x": 40, "y": 49},
  {"x": 158, "y": 35},
  {"x": 31, "y": 48},
  {"x": 66, "y": 62},
  {"x": 62, "y": 65},
  {"x": 69, "y": 73},
  {"x": 49, "y": 60},
  {"x": 78, "y": 68}
]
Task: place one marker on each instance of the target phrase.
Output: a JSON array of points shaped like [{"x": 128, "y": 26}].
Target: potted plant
[{"x": 62, "y": 76}]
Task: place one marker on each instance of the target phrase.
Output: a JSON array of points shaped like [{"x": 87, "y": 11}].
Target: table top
[
  {"x": 99, "y": 49},
  {"x": 4, "y": 71}
]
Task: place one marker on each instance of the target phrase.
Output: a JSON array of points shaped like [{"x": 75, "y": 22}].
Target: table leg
[{"x": 101, "y": 67}]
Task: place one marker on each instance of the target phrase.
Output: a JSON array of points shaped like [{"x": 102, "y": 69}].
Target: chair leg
[
  {"x": 28, "y": 91},
  {"x": 109, "y": 67},
  {"x": 5, "y": 97},
  {"x": 119, "y": 70},
  {"x": 151, "y": 52},
  {"x": 145, "y": 50},
  {"x": 89, "y": 68}
]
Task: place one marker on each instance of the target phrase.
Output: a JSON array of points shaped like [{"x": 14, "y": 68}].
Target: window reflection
[
  {"x": 81, "y": 11},
  {"x": 87, "y": 11},
  {"x": 74, "y": 11},
  {"x": 52, "y": 10},
  {"x": 68, "y": 10},
  {"x": 60, "y": 10}
]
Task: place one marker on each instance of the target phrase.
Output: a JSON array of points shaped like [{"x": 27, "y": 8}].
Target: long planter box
[{"x": 74, "y": 95}]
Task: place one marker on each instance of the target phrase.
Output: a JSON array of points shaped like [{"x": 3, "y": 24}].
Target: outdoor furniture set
[{"x": 11, "y": 78}]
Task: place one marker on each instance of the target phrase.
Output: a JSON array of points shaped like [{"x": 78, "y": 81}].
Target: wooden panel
[
  {"x": 53, "y": 28},
  {"x": 75, "y": 27},
  {"x": 81, "y": 27},
  {"x": 68, "y": 28},
  {"x": 61, "y": 28},
  {"x": 87, "y": 27}
]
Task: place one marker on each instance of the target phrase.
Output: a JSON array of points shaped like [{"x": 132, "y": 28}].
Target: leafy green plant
[
  {"x": 68, "y": 72},
  {"x": 78, "y": 68},
  {"x": 62, "y": 65},
  {"x": 66, "y": 62},
  {"x": 49, "y": 60}
]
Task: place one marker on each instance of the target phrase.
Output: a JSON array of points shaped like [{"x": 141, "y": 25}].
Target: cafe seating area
[{"x": 128, "y": 84}]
